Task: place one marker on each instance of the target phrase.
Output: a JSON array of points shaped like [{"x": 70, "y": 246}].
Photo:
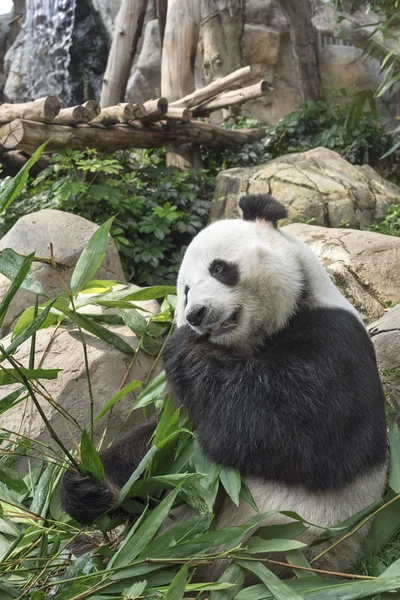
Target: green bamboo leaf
[
  {"x": 135, "y": 590},
  {"x": 12, "y": 479},
  {"x": 13, "y": 187},
  {"x": 133, "y": 545},
  {"x": 247, "y": 496},
  {"x": 391, "y": 150},
  {"x": 8, "y": 376},
  {"x": 28, "y": 316},
  {"x": 153, "y": 392},
  {"x": 30, "y": 330},
  {"x": 176, "y": 590},
  {"x": 15, "y": 285},
  {"x": 134, "y": 320},
  {"x": 355, "y": 590},
  {"x": 10, "y": 263},
  {"x": 233, "y": 574},
  {"x": 41, "y": 493},
  {"x": 231, "y": 480},
  {"x": 133, "y": 385},
  {"x": 97, "y": 286},
  {"x": 296, "y": 557},
  {"x": 136, "y": 474},
  {"x": 98, "y": 330},
  {"x": 12, "y": 400},
  {"x": 384, "y": 526},
  {"x": 394, "y": 464},
  {"x": 91, "y": 257},
  {"x": 90, "y": 458},
  {"x": 257, "y": 545},
  {"x": 278, "y": 589}
]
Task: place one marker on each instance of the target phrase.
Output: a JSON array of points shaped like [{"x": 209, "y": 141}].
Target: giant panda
[{"x": 276, "y": 370}]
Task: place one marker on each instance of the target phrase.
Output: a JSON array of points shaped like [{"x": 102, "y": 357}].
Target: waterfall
[{"x": 47, "y": 32}]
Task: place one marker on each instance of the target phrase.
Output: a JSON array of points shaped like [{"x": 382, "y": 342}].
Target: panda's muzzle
[{"x": 223, "y": 326}]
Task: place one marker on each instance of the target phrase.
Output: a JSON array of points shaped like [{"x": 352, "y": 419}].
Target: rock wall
[{"x": 265, "y": 44}]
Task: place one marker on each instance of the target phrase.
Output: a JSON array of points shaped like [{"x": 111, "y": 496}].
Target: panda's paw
[{"x": 84, "y": 498}]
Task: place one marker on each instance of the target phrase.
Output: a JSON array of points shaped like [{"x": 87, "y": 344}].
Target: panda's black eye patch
[{"x": 226, "y": 272}]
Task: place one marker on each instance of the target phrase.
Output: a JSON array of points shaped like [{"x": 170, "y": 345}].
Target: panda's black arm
[{"x": 83, "y": 498}]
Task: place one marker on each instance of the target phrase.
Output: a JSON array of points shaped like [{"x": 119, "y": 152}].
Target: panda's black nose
[{"x": 196, "y": 316}]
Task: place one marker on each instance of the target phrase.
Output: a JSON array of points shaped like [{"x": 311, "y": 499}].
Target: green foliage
[
  {"x": 156, "y": 210},
  {"x": 359, "y": 138},
  {"x": 390, "y": 224}
]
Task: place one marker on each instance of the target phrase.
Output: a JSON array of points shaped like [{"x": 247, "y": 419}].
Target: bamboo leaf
[
  {"x": 91, "y": 257},
  {"x": 278, "y": 589},
  {"x": 90, "y": 458},
  {"x": 10, "y": 263},
  {"x": 132, "y": 385},
  {"x": 12, "y": 479},
  {"x": 134, "y": 320},
  {"x": 394, "y": 464},
  {"x": 355, "y": 590},
  {"x": 13, "y": 187},
  {"x": 30, "y": 330},
  {"x": 11, "y": 400},
  {"x": 8, "y": 376},
  {"x": 231, "y": 480},
  {"x": 233, "y": 574},
  {"x": 135, "y": 590},
  {"x": 257, "y": 545},
  {"x": 15, "y": 285},
  {"x": 176, "y": 590},
  {"x": 136, "y": 474},
  {"x": 28, "y": 316}
]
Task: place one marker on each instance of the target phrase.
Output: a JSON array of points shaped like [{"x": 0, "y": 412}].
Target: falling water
[{"x": 48, "y": 31}]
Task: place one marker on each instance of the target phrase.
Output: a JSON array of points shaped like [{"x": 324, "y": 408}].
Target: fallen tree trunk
[
  {"x": 42, "y": 109},
  {"x": 128, "y": 28},
  {"x": 233, "y": 97},
  {"x": 28, "y": 135}
]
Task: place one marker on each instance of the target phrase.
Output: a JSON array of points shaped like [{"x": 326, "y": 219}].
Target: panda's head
[{"x": 240, "y": 280}]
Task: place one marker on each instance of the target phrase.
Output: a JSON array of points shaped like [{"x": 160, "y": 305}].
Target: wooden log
[
  {"x": 239, "y": 96},
  {"x": 175, "y": 113},
  {"x": 181, "y": 38},
  {"x": 121, "y": 113},
  {"x": 154, "y": 109},
  {"x": 213, "y": 89},
  {"x": 128, "y": 29},
  {"x": 72, "y": 115},
  {"x": 43, "y": 109},
  {"x": 28, "y": 135},
  {"x": 92, "y": 108}
]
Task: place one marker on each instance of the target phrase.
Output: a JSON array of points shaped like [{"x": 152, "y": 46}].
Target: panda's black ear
[{"x": 262, "y": 206}]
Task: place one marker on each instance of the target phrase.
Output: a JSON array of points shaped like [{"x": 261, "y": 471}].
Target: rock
[
  {"x": 364, "y": 265},
  {"x": 260, "y": 45},
  {"x": 107, "y": 11},
  {"x": 318, "y": 186},
  {"x": 385, "y": 334},
  {"x": 69, "y": 235},
  {"x": 107, "y": 366}
]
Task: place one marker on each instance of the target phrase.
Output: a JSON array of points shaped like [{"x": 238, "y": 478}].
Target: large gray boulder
[
  {"x": 385, "y": 335},
  {"x": 69, "y": 235},
  {"x": 318, "y": 186},
  {"x": 364, "y": 265}
]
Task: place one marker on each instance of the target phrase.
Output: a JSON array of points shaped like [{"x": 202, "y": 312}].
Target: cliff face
[{"x": 60, "y": 47}]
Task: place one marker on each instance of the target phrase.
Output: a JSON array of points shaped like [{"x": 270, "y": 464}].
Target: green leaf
[
  {"x": 278, "y": 589},
  {"x": 97, "y": 286},
  {"x": 98, "y": 330},
  {"x": 233, "y": 574},
  {"x": 135, "y": 590},
  {"x": 12, "y": 400},
  {"x": 176, "y": 590},
  {"x": 13, "y": 187},
  {"x": 136, "y": 474},
  {"x": 394, "y": 464},
  {"x": 8, "y": 376},
  {"x": 30, "y": 330},
  {"x": 28, "y": 317},
  {"x": 152, "y": 393},
  {"x": 10, "y": 263},
  {"x": 355, "y": 590},
  {"x": 391, "y": 150},
  {"x": 134, "y": 320},
  {"x": 296, "y": 557},
  {"x": 133, "y": 385},
  {"x": 91, "y": 257},
  {"x": 257, "y": 545},
  {"x": 15, "y": 285},
  {"x": 384, "y": 526},
  {"x": 133, "y": 545},
  {"x": 231, "y": 480},
  {"x": 90, "y": 458},
  {"x": 41, "y": 493},
  {"x": 148, "y": 293},
  {"x": 12, "y": 479}
]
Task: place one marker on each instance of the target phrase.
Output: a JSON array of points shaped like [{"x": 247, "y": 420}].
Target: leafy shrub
[
  {"x": 157, "y": 210},
  {"x": 390, "y": 224},
  {"x": 331, "y": 125}
]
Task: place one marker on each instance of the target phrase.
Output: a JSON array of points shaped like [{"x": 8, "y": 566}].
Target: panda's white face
[{"x": 239, "y": 282}]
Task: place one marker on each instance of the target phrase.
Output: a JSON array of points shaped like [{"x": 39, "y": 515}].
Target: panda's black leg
[{"x": 85, "y": 499}]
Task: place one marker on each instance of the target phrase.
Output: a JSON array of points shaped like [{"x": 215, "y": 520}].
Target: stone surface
[
  {"x": 385, "y": 335},
  {"x": 145, "y": 80},
  {"x": 69, "y": 235},
  {"x": 318, "y": 185},
  {"x": 364, "y": 265},
  {"x": 107, "y": 367}
]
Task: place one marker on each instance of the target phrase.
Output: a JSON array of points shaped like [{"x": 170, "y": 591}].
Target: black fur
[
  {"x": 83, "y": 498},
  {"x": 262, "y": 206},
  {"x": 225, "y": 272},
  {"x": 307, "y": 408}
]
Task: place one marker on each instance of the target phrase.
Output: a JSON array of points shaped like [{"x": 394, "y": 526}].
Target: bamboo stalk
[{"x": 43, "y": 109}]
